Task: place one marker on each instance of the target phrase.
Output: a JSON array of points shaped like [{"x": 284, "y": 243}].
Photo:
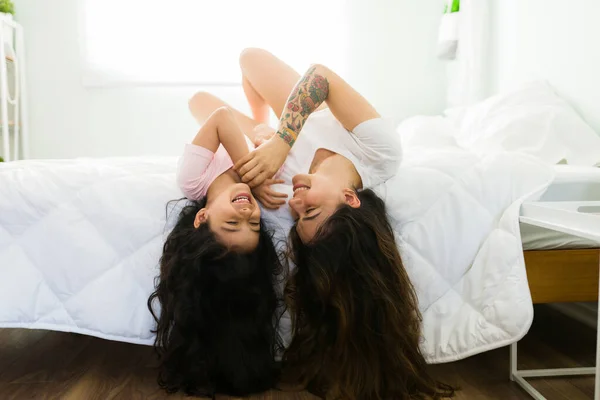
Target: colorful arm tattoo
[{"x": 308, "y": 94}]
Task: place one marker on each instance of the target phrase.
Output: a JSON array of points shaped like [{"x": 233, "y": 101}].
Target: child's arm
[
  {"x": 221, "y": 128},
  {"x": 193, "y": 175}
]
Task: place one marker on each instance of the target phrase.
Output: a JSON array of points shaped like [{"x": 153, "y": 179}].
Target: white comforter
[
  {"x": 80, "y": 242},
  {"x": 456, "y": 219}
]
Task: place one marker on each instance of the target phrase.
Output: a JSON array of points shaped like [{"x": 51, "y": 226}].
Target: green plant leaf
[
  {"x": 455, "y": 7},
  {"x": 7, "y": 6}
]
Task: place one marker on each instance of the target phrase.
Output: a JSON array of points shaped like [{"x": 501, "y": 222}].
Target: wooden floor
[{"x": 54, "y": 365}]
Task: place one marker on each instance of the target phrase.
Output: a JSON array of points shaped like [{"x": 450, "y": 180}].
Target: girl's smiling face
[{"x": 234, "y": 217}]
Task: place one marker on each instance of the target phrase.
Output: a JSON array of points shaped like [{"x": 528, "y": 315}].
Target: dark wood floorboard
[
  {"x": 554, "y": 341},
  {"x": 55, "y": 365}
]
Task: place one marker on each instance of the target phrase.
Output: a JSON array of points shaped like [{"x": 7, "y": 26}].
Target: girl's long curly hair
[
  {"x": 217, "y": 329},
  {"x": 354, "y": 312}
]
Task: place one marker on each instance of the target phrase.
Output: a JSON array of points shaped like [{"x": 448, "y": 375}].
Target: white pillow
[
  {"x": 427, "y": 131},
  {"x": 532, "y": 120}
]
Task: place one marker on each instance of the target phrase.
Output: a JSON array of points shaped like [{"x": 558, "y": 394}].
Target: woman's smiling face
[{"x": 316, "y": 198}]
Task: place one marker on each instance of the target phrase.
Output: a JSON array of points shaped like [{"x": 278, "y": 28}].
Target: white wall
[
  {"x": 393, "y": 65},
  {"x": 393, "y": 61},
  {"x": 550, "y": 39}
]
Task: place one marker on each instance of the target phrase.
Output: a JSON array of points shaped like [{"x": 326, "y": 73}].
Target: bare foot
[{"x": 262, "y": 133}]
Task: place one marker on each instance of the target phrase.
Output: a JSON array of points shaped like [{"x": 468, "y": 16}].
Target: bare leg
[
  {"x": 258, "y": 105},
  {"x": 267, "y": 81},
  {"x": 203, "y": 104}
]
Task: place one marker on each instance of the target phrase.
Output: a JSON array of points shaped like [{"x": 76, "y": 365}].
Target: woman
[{"x": 356, "y": 326}]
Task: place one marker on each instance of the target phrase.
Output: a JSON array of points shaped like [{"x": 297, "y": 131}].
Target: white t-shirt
[{"x": 373, "y": 147}]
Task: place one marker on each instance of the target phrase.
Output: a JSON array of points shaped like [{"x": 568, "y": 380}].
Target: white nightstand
[{"x": 576, "y": 218}]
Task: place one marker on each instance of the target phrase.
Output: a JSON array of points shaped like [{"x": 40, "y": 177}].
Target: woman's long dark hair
[
  {"x": 217, "y": 328},
  {"x": 355, "y": 319}
]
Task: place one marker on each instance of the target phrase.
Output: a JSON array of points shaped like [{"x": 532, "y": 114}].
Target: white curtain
[
  {"x": 469, "y": 73},
  {"x": 198, "y": 41}
]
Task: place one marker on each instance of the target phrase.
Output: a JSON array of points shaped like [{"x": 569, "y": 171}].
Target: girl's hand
[
  {"x": 267, "y": 196},
  {"x": 262, "y": 163}
]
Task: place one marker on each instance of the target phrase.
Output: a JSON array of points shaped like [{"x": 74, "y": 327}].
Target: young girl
[{"x": 217, "y": 328}]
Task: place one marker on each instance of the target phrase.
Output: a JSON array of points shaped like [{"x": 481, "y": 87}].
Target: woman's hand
[
  {"x": 262, "y": 163},
  {"x": 267, "y": 196}
]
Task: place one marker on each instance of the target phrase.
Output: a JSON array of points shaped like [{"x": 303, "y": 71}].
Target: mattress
[{"x": 571, "y": 183}]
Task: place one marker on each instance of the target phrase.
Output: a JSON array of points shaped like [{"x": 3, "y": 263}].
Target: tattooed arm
[
  {"x": 318, "y": 85},
  {"x": 308, "y": 94}
]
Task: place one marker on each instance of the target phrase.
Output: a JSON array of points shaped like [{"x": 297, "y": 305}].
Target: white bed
[
  {"x": 80, "y": 242},
  {"x": 80, "y": 239}
]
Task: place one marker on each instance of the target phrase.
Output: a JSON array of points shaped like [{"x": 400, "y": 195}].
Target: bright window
[{"x": 199, "y": 41}]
